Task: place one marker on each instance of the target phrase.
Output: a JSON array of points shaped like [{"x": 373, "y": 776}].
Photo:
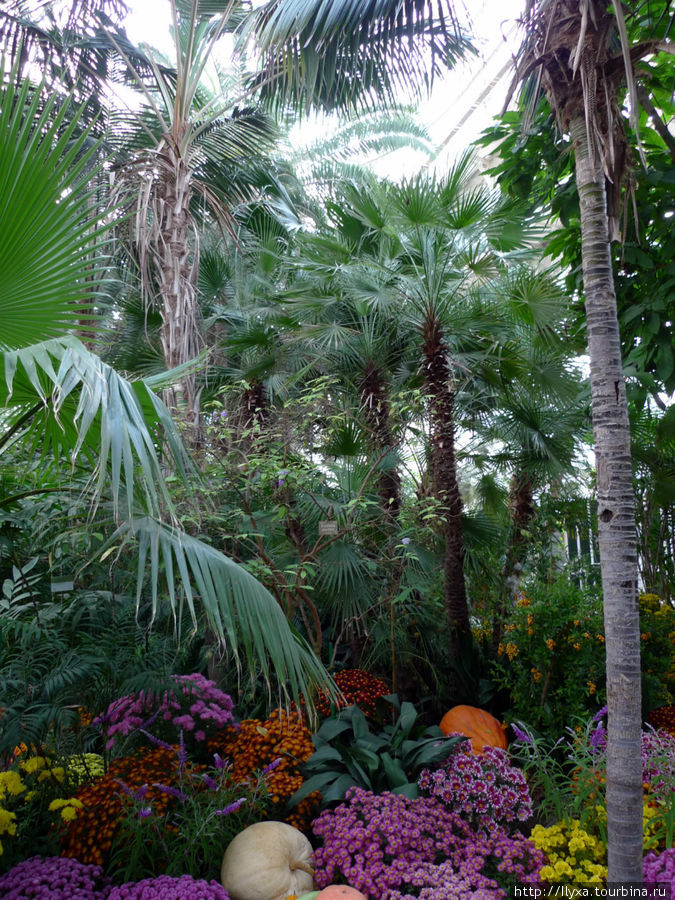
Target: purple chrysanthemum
[
  {"x": 195, "y": 705},
  {"x": 484, "y": 788},
  {"x": 54, "y": 878},
  {"x": 164, "y": 887}
]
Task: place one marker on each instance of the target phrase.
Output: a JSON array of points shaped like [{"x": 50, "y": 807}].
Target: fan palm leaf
[{"x": 49, "y": 271}]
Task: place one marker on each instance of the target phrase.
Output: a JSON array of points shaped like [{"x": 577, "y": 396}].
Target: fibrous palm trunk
[
  {"x": 521, "y": 513},
  {"x": 616, "y": 521},
  {"x": 377, "y": 412},
  {"x": 441, "y": 405},
  {"x": 172, "y": 249}
]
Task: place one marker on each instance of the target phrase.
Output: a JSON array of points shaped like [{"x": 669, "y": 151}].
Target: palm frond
[
  {"x": 49, "y": 270},
  {"x": 236, "y": 605},
  {"x": 81, "y": 406},
  {"x": 342, "y": 54}
]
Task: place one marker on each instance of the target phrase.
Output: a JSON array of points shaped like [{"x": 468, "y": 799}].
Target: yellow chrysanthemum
[
  {"x": 68, "y": 813},
  {"x": 33, "y": 764},
  {"x": 7, "y": 822},
  {"x": 11, "y": 783},
  {"x": 58, "y": 773}
]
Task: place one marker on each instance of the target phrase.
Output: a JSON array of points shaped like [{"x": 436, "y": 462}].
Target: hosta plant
[{"x": 390, "y": 758}]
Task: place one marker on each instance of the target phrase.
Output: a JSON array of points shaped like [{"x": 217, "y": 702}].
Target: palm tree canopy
[{"x": 344, "y": 54}]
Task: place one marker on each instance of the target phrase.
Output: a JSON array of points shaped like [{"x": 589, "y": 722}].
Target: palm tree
[
  {"x": 62, "y": 403},
  {"x": 578, "y": 52},
  {"x": 408, "y": 269},
  {"x": 363, "y": 53}
]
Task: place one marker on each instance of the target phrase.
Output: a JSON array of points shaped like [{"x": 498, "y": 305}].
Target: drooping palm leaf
[
  {"x": 236, "y": 604},
  {"x": 80, "y": 405},
  {"x": 342, "y": 54}
]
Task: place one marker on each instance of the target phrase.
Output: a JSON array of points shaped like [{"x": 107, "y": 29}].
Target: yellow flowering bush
[
  {"x": 35, "y": 795},
  {"x": 552, "y": 643},
  {"x": 657, "y": 628},
  {"x": 575, "y": 856}
]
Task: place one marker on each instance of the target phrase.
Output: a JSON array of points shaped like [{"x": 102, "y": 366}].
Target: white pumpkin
[{"x": 267, "y": 861}]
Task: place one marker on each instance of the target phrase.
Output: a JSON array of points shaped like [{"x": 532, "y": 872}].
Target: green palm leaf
[
  {"x": 341, "y": 54},
  {"x": 65, "y": 402},
  {"x": 236, "y": 604},
  {"x": 48, "y": 233}
]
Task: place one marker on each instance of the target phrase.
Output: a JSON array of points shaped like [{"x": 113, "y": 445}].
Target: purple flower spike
[
  {"x": 182, "y": 752},
  {"x": 144, "y": 812},
  {"x": 232, "y": 807},
  {"x": 171, "y": 791},
  {"x": 521, "y": 735},
  {"x": 155, "y": 740},
  {"x": 272, "y": 766}
]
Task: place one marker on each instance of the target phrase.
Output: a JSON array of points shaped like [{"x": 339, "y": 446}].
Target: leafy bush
[
  {"x": 348, "y": 753},
  {"x": 553, "y": 643},
  {"x": 158, "y": 813},
  {"x": 36, "y": 796},
  {"x": 567, "y": 778}
]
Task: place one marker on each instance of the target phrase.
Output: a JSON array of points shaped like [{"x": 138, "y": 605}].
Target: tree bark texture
[
  {"x": 616, "y": 521},
  {"x": 377, "y": 413},
  {"x": 174, "y": 254},
  {"x": 521, "y": 514},
  {"x": 443, "y": 462}
]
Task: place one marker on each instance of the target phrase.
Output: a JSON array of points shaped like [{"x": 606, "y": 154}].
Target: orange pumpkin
[
  {"x": 478, "y": 725},
  {"x": 340, "y": 892}
]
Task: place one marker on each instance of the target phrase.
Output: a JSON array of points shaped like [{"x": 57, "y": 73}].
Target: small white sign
[{"x": 328, "y": 526}]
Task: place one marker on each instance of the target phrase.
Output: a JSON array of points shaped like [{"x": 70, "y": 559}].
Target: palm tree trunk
[
  {"x": 616, "y": 522},
  {"x": 377, "y": 412},
  {"x": 172, "y": 249},
  {"x": 521, "y": 512},
  {"x": 444, "y": 477}
]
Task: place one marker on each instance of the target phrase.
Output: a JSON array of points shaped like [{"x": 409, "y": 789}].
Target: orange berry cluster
[
  {"x": 255, "y": 744},
  {"x": 664, "y": 718},
  {"x": 359, "y": 688},
  {"x": 89, "y": 837}
]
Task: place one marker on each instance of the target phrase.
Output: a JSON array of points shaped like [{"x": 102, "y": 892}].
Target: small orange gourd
[
  {"x": 478, "y": 725},
  {"x": 340, "y": 892}
]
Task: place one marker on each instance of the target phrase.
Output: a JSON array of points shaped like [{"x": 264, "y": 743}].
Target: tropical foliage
[{"x": 267, "y": 418}]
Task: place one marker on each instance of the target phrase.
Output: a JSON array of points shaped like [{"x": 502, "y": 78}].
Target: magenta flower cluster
[
  {"x": 659, "y": 868},
  {"x": 164, "y": 887},
  {"x": 61, "y": 878},
  {"x": 196, "y": 706},
  {"x": 485, "y": 789},
  {"x": 390, "y": 847},
  {"x": 54, "y": 878}
]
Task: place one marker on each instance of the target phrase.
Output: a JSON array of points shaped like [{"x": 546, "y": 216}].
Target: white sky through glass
[{"x": 461, "y": 106}]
